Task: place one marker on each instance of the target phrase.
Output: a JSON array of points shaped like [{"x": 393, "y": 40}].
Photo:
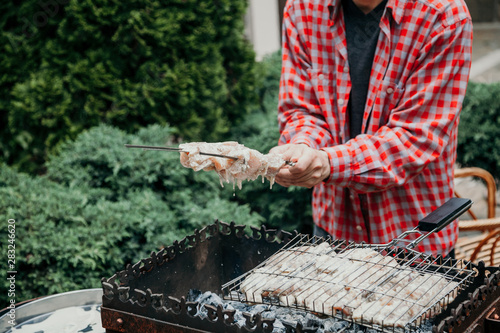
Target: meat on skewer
[{"x": 249, "y": 166}]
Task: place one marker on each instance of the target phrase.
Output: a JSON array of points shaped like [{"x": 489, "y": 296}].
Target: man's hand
[{"x": 312, "y": 166}]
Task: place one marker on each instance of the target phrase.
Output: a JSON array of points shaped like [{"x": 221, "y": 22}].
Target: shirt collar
[{"x": 394, "y": 8}]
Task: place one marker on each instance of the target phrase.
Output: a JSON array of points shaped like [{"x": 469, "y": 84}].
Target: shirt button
[
  {"x": 359, "y": 228},
  {"x": 321, "y": 76},
  {"x": 390, "y": 90},
  {"x": 346, "y": 69},
  {"x": 341, "y": 101}
]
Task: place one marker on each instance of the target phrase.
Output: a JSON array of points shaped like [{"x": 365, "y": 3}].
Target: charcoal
[
  {"x": 193, "y": 295},
  {"x": 283, "y": 315}
]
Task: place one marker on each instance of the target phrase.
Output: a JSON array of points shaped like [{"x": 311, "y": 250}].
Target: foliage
[
  {"x": 102, "y": 206},
  {"x": 70, "y": 65},
  {"x": 479, "y": 128},
  {"x": 65, "y": 242}
]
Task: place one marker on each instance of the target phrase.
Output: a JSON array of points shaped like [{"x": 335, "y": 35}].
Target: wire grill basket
[{"x": 387, "y": 287}]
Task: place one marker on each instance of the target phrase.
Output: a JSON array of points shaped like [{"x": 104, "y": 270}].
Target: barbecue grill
[
  {"x": 150, "y": 296},
  {"x": 378, "y": 291},
  {"x": 379, "y": 285}
]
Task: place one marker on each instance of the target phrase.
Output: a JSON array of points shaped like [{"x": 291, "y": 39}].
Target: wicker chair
[{"x": 478, "y": 238}]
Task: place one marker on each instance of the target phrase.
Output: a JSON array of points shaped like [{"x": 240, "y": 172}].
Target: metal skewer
[
  {"x": 177, "y": 150},
  {"x": 289, "y": 163}
]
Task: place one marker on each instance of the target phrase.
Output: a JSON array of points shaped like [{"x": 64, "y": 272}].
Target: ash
[{"x": 309, "y": 321}]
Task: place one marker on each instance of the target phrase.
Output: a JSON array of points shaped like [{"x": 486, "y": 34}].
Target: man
[{"x": 370, "y": 112}]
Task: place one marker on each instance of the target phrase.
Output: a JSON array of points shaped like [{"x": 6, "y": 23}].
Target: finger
[
  {"x": 283, "y": 181},
  {"x": 302, "y": 164},
  {"x": 290, "y": 152},
  {"x": 287, "y": 179},
  {"x": 279, "y": 149},
  {"x": 284, "y": 177},
  {"x": 308, "y": 178}
]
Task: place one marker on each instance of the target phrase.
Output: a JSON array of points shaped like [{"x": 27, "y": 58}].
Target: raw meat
[{"x": 249, "y": 166}]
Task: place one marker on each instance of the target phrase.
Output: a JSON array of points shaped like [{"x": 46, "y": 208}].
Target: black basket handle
[{"x": 444, "y": 215}]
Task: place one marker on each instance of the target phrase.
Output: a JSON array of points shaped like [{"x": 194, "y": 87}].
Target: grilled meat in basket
[{"x": 384, "y": 286}]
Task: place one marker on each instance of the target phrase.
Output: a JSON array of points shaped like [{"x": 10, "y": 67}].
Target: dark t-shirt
[{"x": 362, "y": 32}]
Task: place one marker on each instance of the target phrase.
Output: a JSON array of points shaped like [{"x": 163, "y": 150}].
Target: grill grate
[{"x": 380, "y": 286}]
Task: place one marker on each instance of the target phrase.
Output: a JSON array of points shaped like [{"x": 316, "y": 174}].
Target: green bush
[
  {"x": 479, "y": 128},
  {"x": 70, "y": 65},
  {"x": 103, "y": 206},
  {"x": 64, "y": 242}
]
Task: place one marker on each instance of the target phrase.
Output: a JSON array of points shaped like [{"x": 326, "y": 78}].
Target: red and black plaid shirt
[{"x": 401, "y": 167}]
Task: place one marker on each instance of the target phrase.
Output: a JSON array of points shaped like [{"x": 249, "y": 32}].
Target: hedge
[
  {"x": 103, "y": 206},
  {"x": 64, "y": 242},
  {"x": 70, "y": 65}
]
